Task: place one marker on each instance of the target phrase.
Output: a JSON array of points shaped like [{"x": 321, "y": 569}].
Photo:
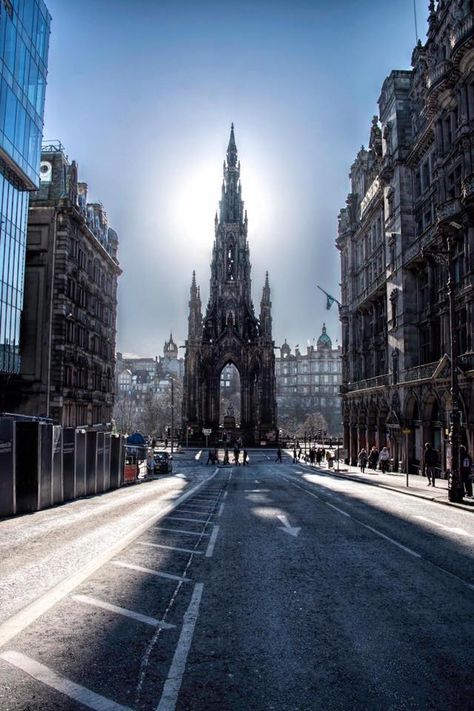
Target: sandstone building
[
  {"x": 408, "y": 220},
  {"x": 68, "y": 326},
  {"x": 310, "y": 382}
]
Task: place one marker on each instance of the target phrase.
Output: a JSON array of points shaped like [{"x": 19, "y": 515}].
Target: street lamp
[
  {"x": 172, "y": 413},
  {"x": 450, "y": 234}
]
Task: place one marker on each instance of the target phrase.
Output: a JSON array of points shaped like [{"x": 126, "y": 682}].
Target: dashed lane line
[
  {"x": 174, "y": 680},
  {"x": 94, "y": 602},
  {"x": 22, "y": 619},
  {"x": 221, "y": 509},
  {"x": 69, "y": 688},
  {"x": 212, "y": 541},
  {"x": 384, "y": 536},
  {"x": 187, "y": 520},
  {"x": 169, "y": 548},
  {"x": 180, "y": 530},
  {"x": 149, "y": 571}
]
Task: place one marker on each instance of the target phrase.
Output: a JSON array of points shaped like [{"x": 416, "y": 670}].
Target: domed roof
[
  {"x": 285, "y": 350},
  {"x": 324, "y": 341}
]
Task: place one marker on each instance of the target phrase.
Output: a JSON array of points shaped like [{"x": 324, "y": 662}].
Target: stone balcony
[
  {"x": 462, "y": 36},
  {"x": 467, "y": 189},
  {"x": 439, "y": 75},
  {"x": 449, "y": 210},
  {"x": 379, "y": 381},
  {"x": 420, "y": 372}
]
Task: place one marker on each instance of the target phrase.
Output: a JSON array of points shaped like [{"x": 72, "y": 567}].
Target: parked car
[{"x": 163, "y": 462}]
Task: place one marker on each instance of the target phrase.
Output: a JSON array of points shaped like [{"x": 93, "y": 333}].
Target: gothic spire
[{"x": 232, "y": 150}]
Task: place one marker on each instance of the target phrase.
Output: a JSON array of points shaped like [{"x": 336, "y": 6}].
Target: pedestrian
[
  {"x": 312, "y": 456},
  {"x": 465, "y": 467},
  {"x": 210, "y": 457},
  {"x": 216, "y": 456},
  {"x": 236, "y": 455},
  {"x": 245, "y": 457},
  {"x": 363, "y": 459},
  {"x": 300, "y": 452},
  {"x": 294, "y": 455},
  {"x": 319, "y": 456},
  {"x": 373, "y": 458},
  {"x": 384, "y": 460},
  {"x": 430, "y": 460},
  {"x": 150, "y": 463},
  {"x": 226, "y": 455},
  {"x": 278, "y": 456}
]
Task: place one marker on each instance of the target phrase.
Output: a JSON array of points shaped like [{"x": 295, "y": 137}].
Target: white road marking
[
  {"x": 180, "y": 530},
  {"x": 458, "y": 531},
  {"x": 157, "y": 573},
  {"x": 221, "y": 509},
  {"x": 188, "y": 520},
  {"x": 225, "y": 495},
  {"x": 69, "y": 688},
  {"x": 170, "y": 548},
  {"x": 292, "y": 530},
  {"x": 198, "y": 455},
  {"x": 22, "y": 619},
  {"x": 173, "y": 682},
  {"x": 344, "y": 513},
  {"x": 212, "y": 541},
  {"x": 94, "y": 602}
]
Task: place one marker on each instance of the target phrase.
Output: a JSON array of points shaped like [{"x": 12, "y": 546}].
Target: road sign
[{"x": 206, "y": 432}]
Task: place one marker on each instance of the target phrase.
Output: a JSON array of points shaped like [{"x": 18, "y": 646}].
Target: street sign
[
  {"x": 206, "y": 432},
  {"x": 406, "y": 431}
]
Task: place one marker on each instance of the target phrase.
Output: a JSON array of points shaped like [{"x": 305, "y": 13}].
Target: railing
[
  {"x": 374, "y": 286},
  {"x": 448, "y": 210},
  {"x": 378, "y": 381},
  {"x": 467, "y": 187},
  {"x": 420, "y": 372},
  {"x": 438, "y": 74},
  {"x": 462, "y": 32},
  {"x": 422, "y": 242}
]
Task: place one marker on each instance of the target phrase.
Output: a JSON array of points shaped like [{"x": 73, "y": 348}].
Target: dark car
[{"x": 163, "y": 462}]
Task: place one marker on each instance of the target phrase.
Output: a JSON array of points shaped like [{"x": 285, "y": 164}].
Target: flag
[{"x": 329, "y": 301}]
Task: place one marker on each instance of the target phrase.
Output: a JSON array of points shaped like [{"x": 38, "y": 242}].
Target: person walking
[
  {"x": 319, "y": 456},
  {"x": 226, "y": 455},
  {"x": 236, "y": 455},
  {"x": 465, "y": 467},
  {"x": 384, "y": 460},
  {"x": 363, "y": 459},
  {"x": 245, "y": 457},
  {"x": 312, "y": 456},
  {"x": 278, "y": 456},
  {"x": 430, "y": 460},
  {"x": 373, "y": 458},
  {"x": 210, "y": 457},
  {"x": 294, "y": 455}
]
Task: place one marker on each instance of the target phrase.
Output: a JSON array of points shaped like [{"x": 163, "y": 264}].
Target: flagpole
[{"x": 329, "y": 296}]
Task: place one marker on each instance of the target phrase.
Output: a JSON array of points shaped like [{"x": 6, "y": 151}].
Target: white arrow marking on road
[
  {"x": 292, "y": 530},
  {"x": 459, "y": 531}
]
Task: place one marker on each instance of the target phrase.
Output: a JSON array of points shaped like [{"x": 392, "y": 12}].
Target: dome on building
[
  {"x": 285, "y": 350},
  {"x": 324, "y": 341}
]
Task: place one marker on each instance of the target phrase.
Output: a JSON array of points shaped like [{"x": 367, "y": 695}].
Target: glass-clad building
[{"x": 24, "y": 39}]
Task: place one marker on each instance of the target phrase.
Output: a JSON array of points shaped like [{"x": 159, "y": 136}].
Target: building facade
[
  {"x": 310, "y": 382},
  {"x": 406, "y": 232},
  {"x": 24, "y": 40},
  {"x": 230, "y": 332},
  {"x": 69, "y": 319}
]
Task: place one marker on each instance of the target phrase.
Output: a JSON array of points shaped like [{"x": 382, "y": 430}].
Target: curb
[{"x": 354, "y": 477}]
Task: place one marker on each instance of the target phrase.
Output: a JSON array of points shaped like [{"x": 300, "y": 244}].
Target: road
[{"x": 270, "y": 586}]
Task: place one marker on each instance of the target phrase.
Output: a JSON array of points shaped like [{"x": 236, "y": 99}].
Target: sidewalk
[{"x": 417, "y": 485}]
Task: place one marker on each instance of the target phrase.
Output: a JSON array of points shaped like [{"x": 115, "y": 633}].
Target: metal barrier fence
[{"x": 42, "y": 464}]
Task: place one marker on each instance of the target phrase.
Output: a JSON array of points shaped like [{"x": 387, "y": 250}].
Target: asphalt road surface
[{"x": 270, "y": 586}]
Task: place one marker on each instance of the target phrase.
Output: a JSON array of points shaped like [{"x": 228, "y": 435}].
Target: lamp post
[
  {"x": 455, "y": 485},
  {"x": 172, "y": 414},
  {"x": 450, "y": 234}
]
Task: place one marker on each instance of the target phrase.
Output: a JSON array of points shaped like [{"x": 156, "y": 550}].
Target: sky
[{"x": 142, "y": 95}]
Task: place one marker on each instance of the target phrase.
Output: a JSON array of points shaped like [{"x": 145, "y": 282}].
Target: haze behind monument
[{"x": 142, "y": 95}]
